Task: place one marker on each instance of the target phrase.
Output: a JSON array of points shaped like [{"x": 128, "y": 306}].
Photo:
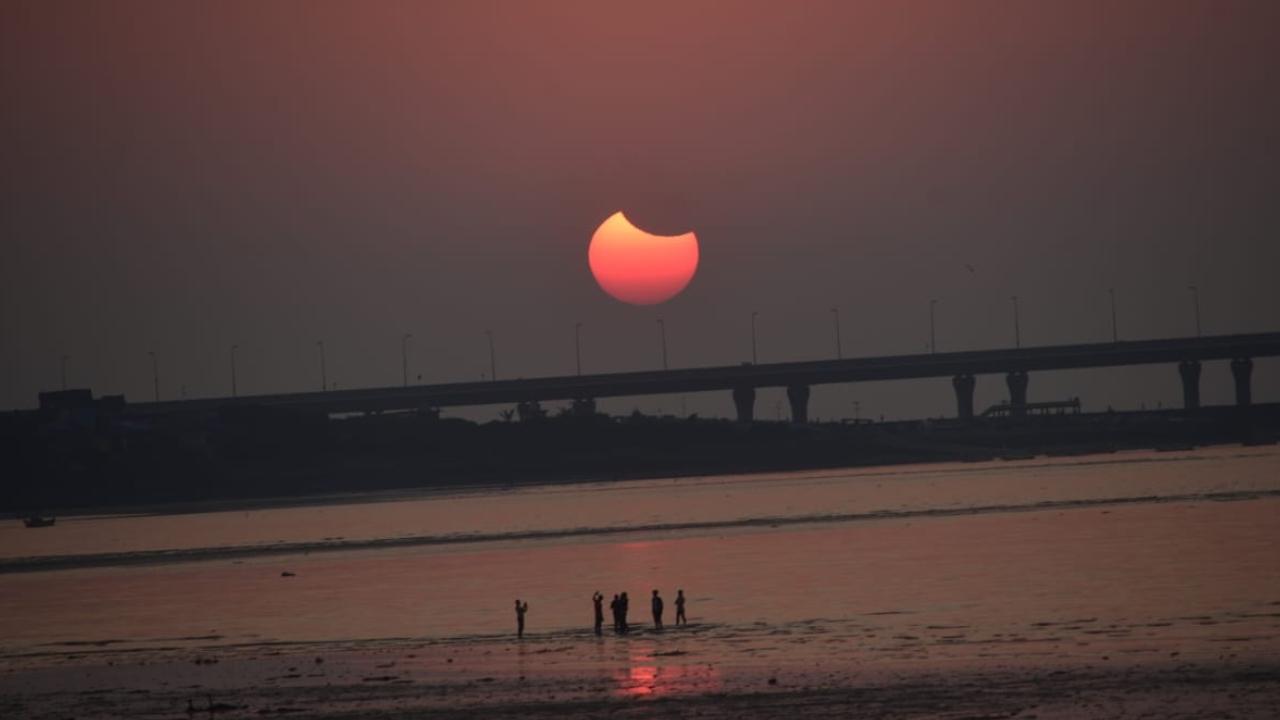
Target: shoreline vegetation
[{"x": 94, "y": 461}]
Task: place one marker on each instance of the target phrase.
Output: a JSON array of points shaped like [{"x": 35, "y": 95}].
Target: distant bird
[
  {"x": 286, "y": 573},
  {"x": 969, "y": 267}
]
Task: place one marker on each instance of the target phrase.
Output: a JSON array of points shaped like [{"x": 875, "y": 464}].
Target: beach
[{"x": 1120, "y": 585}]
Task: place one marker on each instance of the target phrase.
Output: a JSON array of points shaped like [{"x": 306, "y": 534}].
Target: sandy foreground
[{"x": 874, "y": 666}]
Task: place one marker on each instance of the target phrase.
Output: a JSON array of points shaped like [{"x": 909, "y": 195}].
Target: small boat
[{"x": 35, "y": 521}]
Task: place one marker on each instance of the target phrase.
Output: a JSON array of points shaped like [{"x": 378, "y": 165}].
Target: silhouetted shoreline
[{"x": 88, "y": 461}]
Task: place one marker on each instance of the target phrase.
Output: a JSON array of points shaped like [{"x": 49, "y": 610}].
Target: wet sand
[{"x": 881, "y": 665}]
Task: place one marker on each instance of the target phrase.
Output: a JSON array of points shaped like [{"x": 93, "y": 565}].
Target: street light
[
  {"x": 493, "y": 363},
  {"x": 404, "y": 357},
  {"x": 1115, "y": 332},
  {"x": 155, "y": 374},
  {"x": 1017, "y": 331},
  {"x": 1195, "y": 297},
  {"x": 662, "y": 329},
  {"x": 754, "y": 358},
  {"x": 324, "y": 377},
  {"x": 233, "y": 369},
  {"x": 577, "y": 345},
  {"x": 835, "y": 319},
  {"x": 933, "y": 345}
]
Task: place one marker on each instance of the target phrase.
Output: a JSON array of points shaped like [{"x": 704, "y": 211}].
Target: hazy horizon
[{"x": 183, "y": 178}]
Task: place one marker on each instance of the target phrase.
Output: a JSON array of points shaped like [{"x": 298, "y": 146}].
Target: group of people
[{"x": 619, "y": 606}]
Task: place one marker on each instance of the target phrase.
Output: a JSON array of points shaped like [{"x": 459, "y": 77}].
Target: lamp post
[
  {"x": 233, "y": 369},
  {"x": 493, "y": 363},
  {"x": 1115, "y": 331},
  {"x": 404, "y": 357},
  {"x": 662, "y": 330},
  {"x": 933, "y": 345},
  {"x": 64, "y": 371},
  {"x": 155, "y": 374},
  {"x": 1017, "y": 330},
  {"x": 835, "y": 320},
  {"x": 754, "y": 357},
  {"x": 1195, "y": 298},
  {"x": 324, "y": 376},
  {"x": 577, "y": 346}
]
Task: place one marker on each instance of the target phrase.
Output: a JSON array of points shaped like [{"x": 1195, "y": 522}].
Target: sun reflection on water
[{"x": 648, "y": 676}]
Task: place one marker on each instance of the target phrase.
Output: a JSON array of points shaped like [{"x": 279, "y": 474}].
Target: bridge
[{"x": 797, "y": 377}]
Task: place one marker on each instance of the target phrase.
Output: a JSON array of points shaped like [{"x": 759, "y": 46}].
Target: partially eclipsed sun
[{"x": 637, "y": 267}]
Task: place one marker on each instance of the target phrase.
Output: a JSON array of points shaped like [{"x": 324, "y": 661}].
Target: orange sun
[{"x": 637, "y": 267}]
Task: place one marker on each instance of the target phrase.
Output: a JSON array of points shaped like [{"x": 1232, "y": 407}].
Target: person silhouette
[
  {"x": 680, "y": 618},
  {"x": 615, "y": 607},
  {"x": 657, "y": 610},
  {"x": 598, "y": 601},
  {"x": 521, "y": 609},
  {"x": 623, "y": 606}
]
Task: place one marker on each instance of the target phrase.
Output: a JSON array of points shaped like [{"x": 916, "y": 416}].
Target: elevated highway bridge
[{"x": 797, "y": 377}]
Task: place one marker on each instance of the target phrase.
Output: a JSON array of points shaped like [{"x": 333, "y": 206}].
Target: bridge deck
[{"x": 894, "y": 367}]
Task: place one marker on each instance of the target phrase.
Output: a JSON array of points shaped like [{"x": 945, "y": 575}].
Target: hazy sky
[{"x": 180, "y": 177}]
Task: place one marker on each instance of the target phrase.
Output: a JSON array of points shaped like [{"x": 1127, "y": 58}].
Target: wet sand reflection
[{"x": 653, "y": 674}]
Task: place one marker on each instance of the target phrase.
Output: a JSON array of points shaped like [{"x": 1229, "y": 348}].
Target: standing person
[
  {"x": 680, "y": 618},
  {"x": 616, "y": 608},
  {"x": 657, "y": 611},
  {"x": 623, "y": 605},
  {"x": 521, "y": 609},
  {"x": 598, "y": 601}
]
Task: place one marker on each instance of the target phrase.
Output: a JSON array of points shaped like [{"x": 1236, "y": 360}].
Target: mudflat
[{"x": 1098, "y": 587}]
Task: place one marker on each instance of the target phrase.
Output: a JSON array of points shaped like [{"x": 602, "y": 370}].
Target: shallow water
[
  {"x": 674, "y": 501},
  {"x": 981, "y": 575}
]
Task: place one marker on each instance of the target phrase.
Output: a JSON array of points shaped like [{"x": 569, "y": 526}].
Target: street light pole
[
  {"x": 233, "y": 369},
  {"x": 933, "y": 345},
  {"x": 1017, "y": 330},
  {"x": 835, "y": 313},
  {"x": 405, "y": 356},
  {"x": 662, "y": 329},
  {"x": 754, "y": 358},
  {"x": 493, "y": 362},
  {"x": 1195, "y": 297},
  {"x": 155, "y": 374},
  {"x": 324, "y": 376},
  {"x": 577, "y": 346},
  {"x": 1115, "y": 332}
]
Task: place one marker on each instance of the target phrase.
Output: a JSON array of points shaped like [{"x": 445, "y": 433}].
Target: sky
[{"x": 182, "y": 177}]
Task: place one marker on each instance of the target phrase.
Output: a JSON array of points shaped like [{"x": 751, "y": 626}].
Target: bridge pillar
[
  {"x": 1242, "y": 370},
  {"x": 1017, "y": 382},
  {"x": 963, "y": 385},
  {"x": 744, "y": 399},
  {"x": 1190, "y": 372},
  {"x": 799, "y": 397}
]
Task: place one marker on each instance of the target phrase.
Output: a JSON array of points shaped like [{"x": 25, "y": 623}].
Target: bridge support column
[
  {"x": 798, "y": 395},
  {"x": 963, "y": 385},
  {"x": 1242, "y": 371},
  {"x": 1190, "y": 372},
  {"x": 1017, "y": 382},
  {"x": 744, "y": 399}
]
